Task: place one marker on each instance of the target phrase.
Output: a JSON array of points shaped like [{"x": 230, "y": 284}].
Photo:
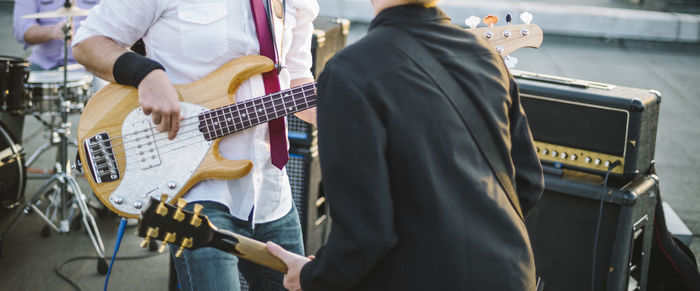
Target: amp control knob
[
  {"x": 573, "y": 157},
  {"x": 563, "y": 155},
  {"x": 597, "y": 161},
  {"x": 587, "y": 160}
]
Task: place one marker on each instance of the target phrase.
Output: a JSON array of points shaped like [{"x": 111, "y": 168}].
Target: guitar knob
[
  {"x": 186, "y": 243},
  {"x": 196, "y": 221},
  {"x": 490, "y": 20},
  {"x": 526, "y": 17},
  {"x": 161, "y": 209},
  {"x": 151, "y": 232},
  {"x": 179, "y": 215},
  {"x": 169, "y": 238},
  {"x": 472, "y": 21}
]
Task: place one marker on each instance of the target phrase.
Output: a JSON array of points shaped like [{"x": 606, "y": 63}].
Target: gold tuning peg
[
  {"x": 179, "y": 215},
  {"x": 162, "y": 210},
  {"x": 196, "y": 221},
  {"x": 490, "y": 20},
  {"x": 186, "y": 243},
  {"x": 169, "y": 238},
  {"x": 151, "y": 232}
]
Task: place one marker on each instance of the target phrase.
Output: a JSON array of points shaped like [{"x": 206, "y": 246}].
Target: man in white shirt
[{"x": 185, "y": 41}]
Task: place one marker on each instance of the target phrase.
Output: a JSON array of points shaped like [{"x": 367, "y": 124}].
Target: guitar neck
[
  {"x": 246, "y": 248},
  {"x": 222, "y": 121}
]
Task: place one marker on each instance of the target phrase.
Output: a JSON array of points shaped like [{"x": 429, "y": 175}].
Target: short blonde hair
[{"x": 426, "y": 3}]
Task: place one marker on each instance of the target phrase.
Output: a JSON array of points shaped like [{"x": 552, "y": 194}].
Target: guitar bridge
[{"x": 101, "y": 159}]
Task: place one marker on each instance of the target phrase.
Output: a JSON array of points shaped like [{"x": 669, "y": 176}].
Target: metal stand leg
[{"x": 66, "y": 200}]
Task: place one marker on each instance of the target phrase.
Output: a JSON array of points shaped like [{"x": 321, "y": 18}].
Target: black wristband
[{"x": 130, "y": 68}]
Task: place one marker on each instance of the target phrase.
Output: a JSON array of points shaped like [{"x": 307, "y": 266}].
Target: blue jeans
[{"x": 211, "y": 269}]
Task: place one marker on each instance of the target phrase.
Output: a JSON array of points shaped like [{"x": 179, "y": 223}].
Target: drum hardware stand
[
  {"x": 57, "y": 186},
  {"x": 54, "y": 140}
]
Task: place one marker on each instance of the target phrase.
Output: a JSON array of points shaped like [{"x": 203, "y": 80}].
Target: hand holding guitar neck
[{"x": 190, "y": 230}]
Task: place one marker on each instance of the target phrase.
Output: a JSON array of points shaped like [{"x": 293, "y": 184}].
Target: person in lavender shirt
[{"x": 45, "y": 35}]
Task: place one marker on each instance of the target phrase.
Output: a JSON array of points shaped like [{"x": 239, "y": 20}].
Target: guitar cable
[
  {"x": 600, "y": 218},
  {"x": 120, "y": 234}
]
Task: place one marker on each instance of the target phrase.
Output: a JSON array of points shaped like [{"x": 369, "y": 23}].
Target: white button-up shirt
[{"x": 192, "y": 38}]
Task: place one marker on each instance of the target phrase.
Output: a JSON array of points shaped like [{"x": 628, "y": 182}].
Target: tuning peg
[
  {"x": 509, "y": 18},
  {"x": 510, "y": 61},
  {"x": 472, "y": 21},
  {"x": 196, "y": 221},
  {"x": 186, "y": 243},
  {"x": 526, "y": 17},
  {"x": 490, "y": 20},
  {"x": 179, "y": 215},
  {"x": 169, "y": 238},
  {"x": 151, "y": 232},
  {"x": 161, "y": 209}
]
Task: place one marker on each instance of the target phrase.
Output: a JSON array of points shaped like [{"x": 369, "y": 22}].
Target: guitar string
[
  {"x": 163, "y": 135},
  {"x": 304, "y": 89},
  {"x": 236, "y": 107},
  {"x": 164, "y": 148}
]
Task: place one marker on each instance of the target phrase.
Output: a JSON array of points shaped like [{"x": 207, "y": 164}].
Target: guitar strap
[{"x": 485, "y": 140}]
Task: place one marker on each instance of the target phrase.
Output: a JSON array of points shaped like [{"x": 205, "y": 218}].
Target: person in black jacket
[{"x": 414, "y": 202}]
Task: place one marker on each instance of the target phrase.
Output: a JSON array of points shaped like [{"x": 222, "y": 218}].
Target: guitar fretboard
[{"x": 222, "y": 121}]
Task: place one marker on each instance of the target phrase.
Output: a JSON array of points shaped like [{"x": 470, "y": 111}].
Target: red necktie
[{"x": 278, "y": 137}]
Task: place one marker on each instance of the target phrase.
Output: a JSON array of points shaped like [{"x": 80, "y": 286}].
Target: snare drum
[
  {"x": 45, "y": 87},
  {"x": 13, "y": 74}
]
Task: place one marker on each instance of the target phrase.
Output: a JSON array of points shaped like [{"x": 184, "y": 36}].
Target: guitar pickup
[{"x": 100, "y": 158}]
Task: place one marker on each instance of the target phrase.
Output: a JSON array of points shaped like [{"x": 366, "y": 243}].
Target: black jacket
[{"x": 414, "y": 204}]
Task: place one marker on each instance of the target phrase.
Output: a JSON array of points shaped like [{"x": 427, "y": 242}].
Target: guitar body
[{"x": 127, "y": 161}]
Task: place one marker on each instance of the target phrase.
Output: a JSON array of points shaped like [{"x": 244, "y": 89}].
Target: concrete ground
[{"x": 30, "y": 260}]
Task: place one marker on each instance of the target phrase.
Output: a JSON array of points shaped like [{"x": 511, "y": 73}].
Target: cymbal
[{"x": 60, "y": 12}]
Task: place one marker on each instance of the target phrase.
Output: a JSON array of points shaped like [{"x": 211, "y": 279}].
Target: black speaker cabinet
[
  {"x": 562, "y": 229},
  {"x": 330, "y": 35},
  {"x": 305, "y": 179}
]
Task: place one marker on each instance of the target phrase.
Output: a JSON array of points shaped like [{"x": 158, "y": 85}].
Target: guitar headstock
[
  {"x": 170, "y": 224},
  {"x": 508, "y": 38}
]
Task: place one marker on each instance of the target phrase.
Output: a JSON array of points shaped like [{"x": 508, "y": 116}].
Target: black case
[
  {"x": 330, "y": 36},
  {"x": 577, "y": 123},
  {"x": 562, "y": 230}
]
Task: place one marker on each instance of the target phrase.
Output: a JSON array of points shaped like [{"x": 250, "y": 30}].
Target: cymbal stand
[{"x": 62, "y": 208}]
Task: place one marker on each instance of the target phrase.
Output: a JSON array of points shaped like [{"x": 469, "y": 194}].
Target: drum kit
[{"x": 40, "y": 93}]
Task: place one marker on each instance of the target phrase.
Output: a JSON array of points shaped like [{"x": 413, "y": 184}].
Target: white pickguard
[{"x": 156, "y": 165}]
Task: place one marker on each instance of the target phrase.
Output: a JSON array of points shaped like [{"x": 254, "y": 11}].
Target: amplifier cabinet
[
  {"x": 587, "y": 125},
  {"x": 562, "y": 231},
  {"x": 330, "y": 36},
  {"x": 304, "y": 173}
]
